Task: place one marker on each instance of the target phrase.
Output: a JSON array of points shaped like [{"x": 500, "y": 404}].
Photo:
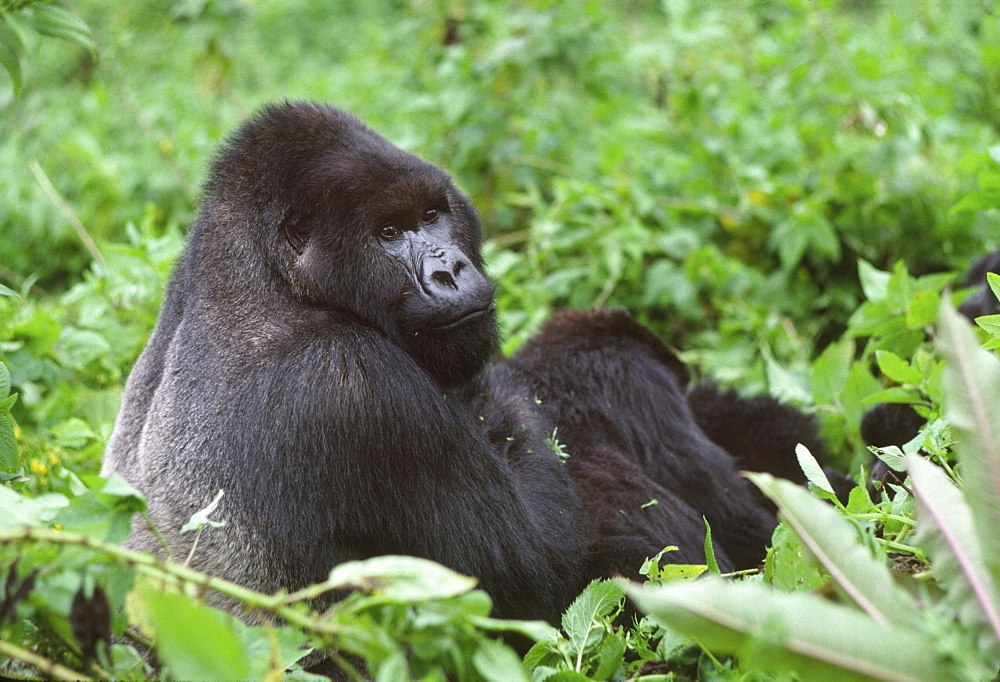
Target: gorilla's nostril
[{"x": 444, "y": 278}]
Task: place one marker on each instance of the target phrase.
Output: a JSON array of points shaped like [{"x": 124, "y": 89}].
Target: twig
[
  {"x": 67, "y": 212},
  {"x": 45, "y": 666}
]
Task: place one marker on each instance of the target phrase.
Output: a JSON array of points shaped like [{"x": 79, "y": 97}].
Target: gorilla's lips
[{"x": 465, "y": 319}]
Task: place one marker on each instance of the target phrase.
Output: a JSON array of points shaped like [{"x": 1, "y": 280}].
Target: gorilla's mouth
[{"x": 467, "y": 318}]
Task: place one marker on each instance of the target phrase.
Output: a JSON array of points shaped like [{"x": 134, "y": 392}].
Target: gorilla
[
  {"x": 323, "y": 356},
  {"x": 983, "y": 301},
  {"x": 762, "y": 434}
]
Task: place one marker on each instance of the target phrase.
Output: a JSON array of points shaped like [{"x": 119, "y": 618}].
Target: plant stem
[{"x": 47, "y": 667}]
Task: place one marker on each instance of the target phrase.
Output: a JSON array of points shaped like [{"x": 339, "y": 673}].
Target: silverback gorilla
[{"x": 321, "y": 356}]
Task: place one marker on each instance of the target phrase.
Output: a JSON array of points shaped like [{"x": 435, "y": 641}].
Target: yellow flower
[{"x": 38, "y": 467}]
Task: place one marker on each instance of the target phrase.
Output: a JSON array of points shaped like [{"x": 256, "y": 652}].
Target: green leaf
[
  {"x": 4, "y": 381},
  {"x": 402, "y": 579},
  {"x": 537, "y": 630},
  {"x": 813, "y": 471},
  {"x": 710, "y": 561},
  {"x": 6, "y": 291},
  {"x": 945, "y": 530},
  {"x": 835, "y": 544},
  {"x": 830, "y": 371},
  {"x": 200, "y": 518},
  {"x": 895, "y": 394},
  {"x": 874, "y": 282},
  {"x": 9, "y": 461},
  {"x": 598, "y": 599},
  {"x": 993, "y": 279},
  {"x": 922, "y": 310},
  {"x": 11, "y": 49},
  {"x": 195, "y": 641},
  {"x": 20, "y": 511},
  {"x": 990, "y": 323},
  {"x": 892, "y": 456},
  {"x": 612, "y": 653},
  {"x": 790, "y": 633},
  {"x": 494, "y": 660},
  {"x": 52, "y": 20},
  {"x": 971, "y": 379},
  {"x": 898, "y": 369}
]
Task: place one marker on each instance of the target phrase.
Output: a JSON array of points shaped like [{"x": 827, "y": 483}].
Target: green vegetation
[{"x": 782, "y": 190}]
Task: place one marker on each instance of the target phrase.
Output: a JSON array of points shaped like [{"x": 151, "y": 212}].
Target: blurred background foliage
[{"x": 717, "y": 169}]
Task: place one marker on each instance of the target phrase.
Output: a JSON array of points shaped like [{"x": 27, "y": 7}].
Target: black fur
[
  {"x": 307, "y": 361},
  {"x": 983, "y": 301},
  {"x": 761, "y": 433},
  {"x": 614, "y": 391}
]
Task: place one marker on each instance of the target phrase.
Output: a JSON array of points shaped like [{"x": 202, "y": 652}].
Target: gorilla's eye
[
  {"x": 430, "y": 215},
  {"x": 389, "y": 231}
]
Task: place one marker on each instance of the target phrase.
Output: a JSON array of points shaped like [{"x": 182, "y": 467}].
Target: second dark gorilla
[{"x": 319, "y": 355}]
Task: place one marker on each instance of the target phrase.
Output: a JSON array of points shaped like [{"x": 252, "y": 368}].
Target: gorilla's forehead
[{"x": 391, "y": 178}]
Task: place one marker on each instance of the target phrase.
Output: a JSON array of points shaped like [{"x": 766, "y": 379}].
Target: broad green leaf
[
  {"x": 57, "y": 22},
  {"x": 898, "y": 369},
  {"x": 494, "y": 660},
  {"x": 993, "y": 279},
  {"x": 401, "y": 578},
  {"x": 830, "y": 371},
  {"x": 945, "y": 530},
  {"x": 9, "y": 461},
  {"x": 894, "y": 394},
  {"x": 20, "y": 511},
  {"x": 790, "y": 633},
  {"x": 11, "y": 49},
  {"x": 811, "y": 468},
  {"x": 922, "y": 310},
  {"x": 538, "y": 630},
  {"x": 892, "y": 456},
  {"x": 874, "y": 282},
  {"x": 195, "y": 641},
  {"x": 597, "y": 600},
  {"x": 788, "y": 566},
  {"x": 264, "y": 644},
  {"x": 612, "y": 653},
  {"x": 972, "y": 407},
  {"x": 834, "y": 542},
  {"x": 4, "y": 381},
  {"x": 990, "y": 323}
]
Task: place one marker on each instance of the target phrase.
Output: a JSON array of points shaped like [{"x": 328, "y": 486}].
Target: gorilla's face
[{"x": 388, "y": 237}]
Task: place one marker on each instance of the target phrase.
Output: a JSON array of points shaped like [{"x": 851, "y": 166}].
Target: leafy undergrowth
[{"x": 784, "y": 191}]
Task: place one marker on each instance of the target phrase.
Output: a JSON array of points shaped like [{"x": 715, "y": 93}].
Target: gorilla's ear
[{"x": 295, "y": 231}]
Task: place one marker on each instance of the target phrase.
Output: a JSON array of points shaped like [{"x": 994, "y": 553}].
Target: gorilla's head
[{"x": 322, "y": 209}]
